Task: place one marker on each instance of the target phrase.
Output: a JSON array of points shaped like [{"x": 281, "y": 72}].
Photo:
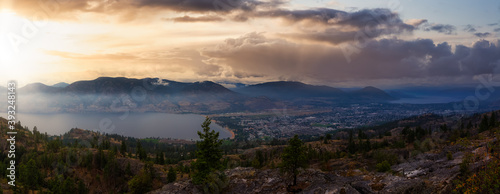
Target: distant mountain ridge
[
  {"x": 289, "y": 89},
  {"x": 61, "y": 85},
  {"x": 160, "y": 95},
  {"x": 278, "y": 89},
  {"x": 39, "y": 88},
  {"x": 293, "y": 90},
  {"x": 119, "y": 85}
]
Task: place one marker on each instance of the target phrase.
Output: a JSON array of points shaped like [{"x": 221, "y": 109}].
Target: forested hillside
[{"x": 425, "y": 154}]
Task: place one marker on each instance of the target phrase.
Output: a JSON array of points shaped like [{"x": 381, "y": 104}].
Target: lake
[{"x": 140, "y": 125}]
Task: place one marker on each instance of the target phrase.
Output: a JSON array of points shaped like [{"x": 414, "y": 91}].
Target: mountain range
[{"x": 110, "y": 94}]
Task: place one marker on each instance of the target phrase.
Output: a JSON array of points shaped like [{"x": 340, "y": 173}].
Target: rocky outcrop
[{"x": 430, "y": 172}]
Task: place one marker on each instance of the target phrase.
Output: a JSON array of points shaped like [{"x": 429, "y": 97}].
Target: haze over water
[{"x": 139, "y": 125}]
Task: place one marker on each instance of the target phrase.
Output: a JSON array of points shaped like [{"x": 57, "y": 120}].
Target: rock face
[
  {"x": 430, "y": 172},
  {"x": 250, "y": 180}
]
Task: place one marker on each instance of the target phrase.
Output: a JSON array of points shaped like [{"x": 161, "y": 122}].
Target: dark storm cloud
[
  {"x": 322, "y": 15},
  {"x": 254, "y": 54},
  {"x": 205, "y": 5},
  {"x": 341, "y": 26},
  {"x": 196, "y": 19},
  {"x": 336, "y": 35},
  {"x": 359, "y": 19},
  {"x": 441, "y": 28},
  {"x": 333, "y": 36},
  {"x": 470, "y": 28},
  {"x": 482, "y": 34},
  {"x": 57, "y": 10}
]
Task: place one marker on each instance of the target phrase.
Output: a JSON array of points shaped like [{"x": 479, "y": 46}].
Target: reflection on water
[{"x": 140, "y": 125}]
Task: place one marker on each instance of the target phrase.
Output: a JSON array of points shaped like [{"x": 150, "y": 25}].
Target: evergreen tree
[
  {"x": 444, "y": 128},
  {"x": 493, "y": 120},
  {"x": 123, "y": 148},
  {"x": 30, "y": 175},
  {"x": 141, "y": 153},
  {"x": 160, "y": 159},
  {"x": 81, "y": 188},
  {"x": 171, "y": 175},
  {"x": 420, "y": 133},
  {"x": 208, "y": 155},
  {"x": 141, "y": 183},
  {"x": 68, "y": 186},
  {"x": 351, "y": 146},
  {"x": 294, "y": 157},
  {"x": 405, "y": 131},
  {"x": 484, "y": 125},
  {"x": 367, "y": 145},
  {"x": 114, "y": 151},
  {"x": 128, "y": 171},
  {"x": 410, "y": 138}
]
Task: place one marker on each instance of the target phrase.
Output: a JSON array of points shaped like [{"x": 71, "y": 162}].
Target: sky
[{"x": 340, "y": 43}]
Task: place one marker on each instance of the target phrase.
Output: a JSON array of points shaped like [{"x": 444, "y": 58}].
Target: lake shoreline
[
  {"x": 226, "y": 128},
  {"x": 232, "y": 133}
]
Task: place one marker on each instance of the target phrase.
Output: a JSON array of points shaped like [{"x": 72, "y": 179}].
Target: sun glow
[
  {"x": 7, "y": 23},
  {"x": 18, "y": 52}
]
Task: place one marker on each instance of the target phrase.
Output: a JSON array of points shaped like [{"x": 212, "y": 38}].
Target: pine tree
[
  {"x": 208, "y": 155},
  {"x": 469, "y": 125},
  {"x": 171, "y": 175},
  {"x": 493, "y": 120},
  {"x": 367, "y": 145},
  {"x": 405, "y": 131},
  {"x": 160, "y": 159},
  {"x": 328, "y": 136},
  {"x": 140, "y": 153},
  {"x": 484, "y": 125},
  {"x": 294, "y": 157},
  {"x": 128, "y": 171},
  {"x": 123, "y": 148},
  {"x": 410, "y": 138},
  {"x": 30, "y": 175},
  {"x": 351, "y": 146}
]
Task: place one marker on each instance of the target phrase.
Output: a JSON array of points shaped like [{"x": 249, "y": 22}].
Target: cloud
[
  {"x": 338, "y": 35},
  {"x": 197, "y": 19},
  {"x": 337, "y": 26},
  {"x": 497, "y": 30},
  {"x": 131, "y": 9},
  {"x": 205, "y": 5},
  {"x": 470, "y": 28},
  {"x": 326, "y": 16},
  {"x": 389, "y": 59},
  {"x": 441, "y": 28},
  {"x": 482, "y": 35},
  {"x": 416, "y": 22}
]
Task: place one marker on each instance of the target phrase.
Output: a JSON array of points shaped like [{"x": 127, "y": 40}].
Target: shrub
[
  {"x": 449, "y": 156},
  {"x": 464, "y": 166},
  {"x": 383, "y": 166},
  {"x": 215, "y": 182},
  {"x": 486, "y": 180},
  {"x": 427, "y": 145},
  {"x": 381, "y": 156}
]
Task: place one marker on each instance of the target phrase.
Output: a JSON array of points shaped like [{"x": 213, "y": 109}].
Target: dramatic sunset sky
[{"x": 342, "y": 43}]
